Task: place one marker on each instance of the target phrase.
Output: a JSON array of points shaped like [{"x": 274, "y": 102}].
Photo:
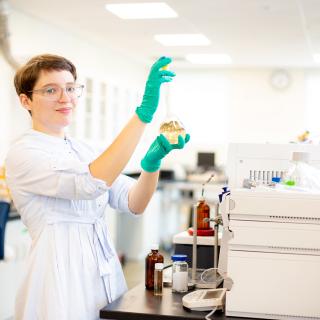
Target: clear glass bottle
[
  {"x": 152, "y": 258},
  {"x": 179, "y": 273},
  {"x": 158, "y": 279}
]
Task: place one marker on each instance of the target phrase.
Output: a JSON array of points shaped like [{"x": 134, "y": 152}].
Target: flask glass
[{"x": 171, "y": 128}]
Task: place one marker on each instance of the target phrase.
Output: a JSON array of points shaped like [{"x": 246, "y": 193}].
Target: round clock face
[{"x": 280, "y": 80}]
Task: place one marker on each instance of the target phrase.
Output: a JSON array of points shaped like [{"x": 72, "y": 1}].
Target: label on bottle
[{"x": 180, "y": 281}]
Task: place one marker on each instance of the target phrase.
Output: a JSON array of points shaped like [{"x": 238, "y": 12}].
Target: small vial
[
  {"x": 158, "y": 279},
  {"x": 179, "y": 273}
]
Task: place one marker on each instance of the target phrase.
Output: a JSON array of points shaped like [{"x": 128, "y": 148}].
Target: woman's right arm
[{"x": 112, "y": 161}]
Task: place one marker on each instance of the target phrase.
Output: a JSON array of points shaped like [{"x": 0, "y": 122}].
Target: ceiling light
[
  {"x": 316, "y": 58},
  {"x": 209, "y": 58},
  {"x": 195, "y": 39},
  {"x": 143, "y": 10}
]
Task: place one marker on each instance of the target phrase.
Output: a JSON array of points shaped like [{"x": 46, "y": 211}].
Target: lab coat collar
[{"x": 48, "y": 137}]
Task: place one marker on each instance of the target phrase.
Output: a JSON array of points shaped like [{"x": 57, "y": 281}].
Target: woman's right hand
[{"x": 151, "y": 95}]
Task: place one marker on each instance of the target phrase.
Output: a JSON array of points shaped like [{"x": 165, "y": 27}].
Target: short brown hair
[{"x": 27, "y": 76}]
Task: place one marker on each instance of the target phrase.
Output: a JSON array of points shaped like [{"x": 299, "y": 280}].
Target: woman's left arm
[{"x": 142, "y": 191}]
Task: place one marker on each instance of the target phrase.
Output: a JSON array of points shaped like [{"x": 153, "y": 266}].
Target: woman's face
[{"x": 51, "y": 113}]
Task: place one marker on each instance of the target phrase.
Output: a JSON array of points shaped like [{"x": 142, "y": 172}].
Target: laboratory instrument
[
  {"x": 205, "y": 300},
  {"x": 273, "y": 255},
  {"x": 210, "y": 278}
]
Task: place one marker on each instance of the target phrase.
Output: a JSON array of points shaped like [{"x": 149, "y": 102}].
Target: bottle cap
[
  {"x": 276, "y": 179},
  {"x": 155, "y": 246},
  {"x": 158, "y": 266},
  {"x": 179, "y": 257}
]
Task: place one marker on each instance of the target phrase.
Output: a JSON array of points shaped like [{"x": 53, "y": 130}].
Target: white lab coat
[{"x": 73, "y": 269}]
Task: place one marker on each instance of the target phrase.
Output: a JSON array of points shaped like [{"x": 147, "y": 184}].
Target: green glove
[
  {"x": 152, "y": 90},
  {"x": 158, "y": 150}
]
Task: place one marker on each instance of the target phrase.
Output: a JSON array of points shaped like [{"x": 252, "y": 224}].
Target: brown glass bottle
[
  {"x": 203, "y": 211},
  {"x": 153, "y": 257}
]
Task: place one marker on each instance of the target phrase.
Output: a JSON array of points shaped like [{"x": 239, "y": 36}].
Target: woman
[{"x": 61, "y": 188}]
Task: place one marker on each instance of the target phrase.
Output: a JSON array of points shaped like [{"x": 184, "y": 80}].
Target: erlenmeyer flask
[{"x": 171, "y": 128}]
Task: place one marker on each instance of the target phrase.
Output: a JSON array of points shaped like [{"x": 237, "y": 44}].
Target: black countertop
[{"x": 140, "y": 304}]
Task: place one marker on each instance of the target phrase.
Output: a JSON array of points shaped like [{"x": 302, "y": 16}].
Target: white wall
[
  {"x": 239, "y": 105},
  {"x": 30, "y": 36},
  {"x": 259, "y": 113},
  {"x": 12, "y": 118},
  {"x": 313, "y": 104},
  {"x": 5, "y": 103}
]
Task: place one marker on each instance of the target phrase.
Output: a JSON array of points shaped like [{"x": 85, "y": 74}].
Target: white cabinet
[{"x": 102, "y": 111}]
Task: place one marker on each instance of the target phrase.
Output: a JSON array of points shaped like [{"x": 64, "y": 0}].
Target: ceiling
[{"x": 257, "y": 33}]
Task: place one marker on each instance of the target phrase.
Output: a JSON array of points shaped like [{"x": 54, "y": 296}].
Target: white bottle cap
[
  {"x": 158, "y": 266},
  {"x": 155, "y": 246}
]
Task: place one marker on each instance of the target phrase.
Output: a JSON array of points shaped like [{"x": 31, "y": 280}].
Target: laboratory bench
[{"x": 140, "y": 304}]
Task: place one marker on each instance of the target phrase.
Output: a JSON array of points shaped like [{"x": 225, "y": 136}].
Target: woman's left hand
[{"x": 158, "y": 150}]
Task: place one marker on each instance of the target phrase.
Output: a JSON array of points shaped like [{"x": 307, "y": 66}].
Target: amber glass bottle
[
  {"x": 203, "y": 211},
  {"x": 152, "y": 258}
]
